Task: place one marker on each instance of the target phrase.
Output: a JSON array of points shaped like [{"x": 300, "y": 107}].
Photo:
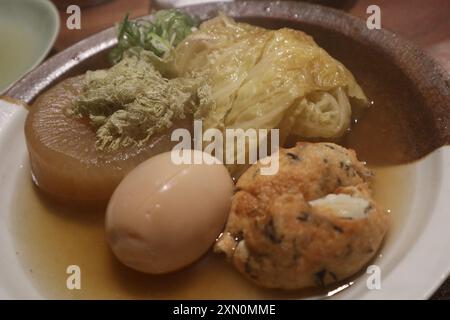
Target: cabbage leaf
[{"x": 263, "y": 78}]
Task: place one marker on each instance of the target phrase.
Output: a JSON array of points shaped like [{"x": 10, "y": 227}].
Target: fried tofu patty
[{"x": 311, "y": 224}]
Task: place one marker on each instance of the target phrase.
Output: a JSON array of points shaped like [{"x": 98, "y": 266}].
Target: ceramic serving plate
[
  {"x": 28, "y": 29},
  {"x": 414, "y": 259}
]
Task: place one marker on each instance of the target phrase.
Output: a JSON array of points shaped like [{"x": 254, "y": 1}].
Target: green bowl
[{"x": 28, "y": 29}]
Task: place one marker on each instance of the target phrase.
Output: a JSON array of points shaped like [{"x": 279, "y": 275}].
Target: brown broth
[{"x": 50, "y": 237}]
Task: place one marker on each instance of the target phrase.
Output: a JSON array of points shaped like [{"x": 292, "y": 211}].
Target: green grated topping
[{"x": 132, "y": 101}]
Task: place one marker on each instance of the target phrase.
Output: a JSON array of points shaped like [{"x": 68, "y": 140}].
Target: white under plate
[{"x": 413, "y": 263}]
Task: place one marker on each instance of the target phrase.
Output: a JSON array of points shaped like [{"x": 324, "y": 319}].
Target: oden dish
[
  {"x": 289, "y": 230},
  {"x": 315, "y": 98}
]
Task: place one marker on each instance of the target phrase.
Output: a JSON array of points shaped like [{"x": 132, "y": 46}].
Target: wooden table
[{"x": 426, "y": 23}]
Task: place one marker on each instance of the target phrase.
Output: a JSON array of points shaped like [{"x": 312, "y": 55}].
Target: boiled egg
[{"x": 164, "y": 216}]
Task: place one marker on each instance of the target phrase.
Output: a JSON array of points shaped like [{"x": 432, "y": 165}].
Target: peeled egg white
[
  {"x": 343, "y": 205},
  {"x": 164, "y": 216}
]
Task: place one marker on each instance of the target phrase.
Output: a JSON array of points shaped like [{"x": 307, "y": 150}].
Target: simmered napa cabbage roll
[{"x": 263, "y": 78}]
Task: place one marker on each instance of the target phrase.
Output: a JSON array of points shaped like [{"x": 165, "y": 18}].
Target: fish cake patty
[{"x": 279, "y": 235}]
